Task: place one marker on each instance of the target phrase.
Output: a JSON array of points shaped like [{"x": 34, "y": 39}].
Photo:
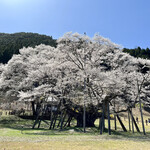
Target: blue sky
[{"x": 125, "y": 22}]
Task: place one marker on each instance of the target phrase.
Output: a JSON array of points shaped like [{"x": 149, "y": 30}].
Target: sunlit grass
[{"x": 17, "y": 134}]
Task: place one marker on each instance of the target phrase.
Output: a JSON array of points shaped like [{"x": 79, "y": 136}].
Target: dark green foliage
[
  {"x": 11, "y": 43},
  {"x": 138, "y": 52}
]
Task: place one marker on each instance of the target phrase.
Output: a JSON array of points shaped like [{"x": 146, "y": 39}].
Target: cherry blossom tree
[
  {"x": 80, "y": 71},
  {"x": 1, "y": 70}
]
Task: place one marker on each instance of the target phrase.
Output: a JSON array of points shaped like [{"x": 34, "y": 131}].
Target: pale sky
[{"x": 125, "y": 22}]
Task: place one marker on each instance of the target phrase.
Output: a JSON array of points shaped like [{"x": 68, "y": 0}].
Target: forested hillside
[
  {"x": 11, "y": 43},
  {"x": 138, "y": 52}
]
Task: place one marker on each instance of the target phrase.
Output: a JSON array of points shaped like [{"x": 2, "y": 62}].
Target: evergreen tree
[
  {"x": 11, "y": 43},
  {"x": 138, "y": 52}
]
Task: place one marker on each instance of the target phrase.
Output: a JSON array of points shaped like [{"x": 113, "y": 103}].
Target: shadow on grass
[
  {"x": 64, "y": 131},
  {"x": 130, "y": 136},
  {"x": 25, "y": 126},
  {"x": 115, "y": 135}
]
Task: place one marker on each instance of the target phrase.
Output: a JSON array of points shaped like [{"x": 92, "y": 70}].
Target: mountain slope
[{"x": 11, "y": 43}]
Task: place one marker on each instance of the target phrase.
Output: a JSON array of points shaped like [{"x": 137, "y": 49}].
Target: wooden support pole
[
  {"x": 69, "y": 121},
  {"x": 51, "y": 124},
  {"x": 69, "y": 117},
  {"x": 121, "y": 123},
  {"x": 52, "y": 118},
  {"x": 33, "y": 108},
  {"x": 55, "y": 119},
  {"x": 129, "y": 120},
  {"x": 51, "y": 115},
  {"x": 102, "y": 121},
  {"x": 132, "y": 121},
  {"x": 46, "y": 122},
  {"x": 99, "y": 122},
  {"x": 61, "y": 126},
  {"x": 37, "y": 119},
  {"x": 101, "y": 125},
  {"x": 39, "y": 124},
  {"x": 109, "y": 128},
  {"x": 141, "y": 109},
  {"x": 141, "y": 114},
  {"x": 115, "y": 123},
  {"x": 60, "y": 119},
  {"x": 142, "y": 120},
  {"x": 84, "y": 108},
  {"x": 61, "y": 115},
  {"x": 56, "y": 115},
  {"x": 136, "y": 126},
  {"x": 43, "y": 113}
]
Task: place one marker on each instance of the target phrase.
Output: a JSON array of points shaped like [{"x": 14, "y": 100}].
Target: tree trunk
[
  {"x": 90, "y": 119},
  {"x": 33, "y": 108}
]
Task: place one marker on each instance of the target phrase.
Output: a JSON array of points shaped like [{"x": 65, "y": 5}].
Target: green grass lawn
[{"x": 16, "y": 134}]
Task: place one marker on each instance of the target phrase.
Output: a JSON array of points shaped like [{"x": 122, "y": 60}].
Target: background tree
[
  {"x": 138, "y": 52},
  {"x": 11, "y": 43}
]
